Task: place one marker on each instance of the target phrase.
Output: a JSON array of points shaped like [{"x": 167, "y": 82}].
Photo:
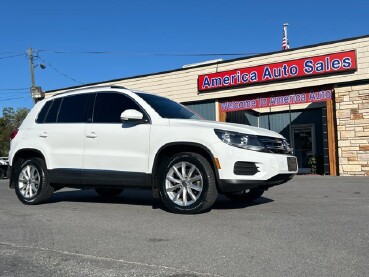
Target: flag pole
[{"x": 285, "y": 43}]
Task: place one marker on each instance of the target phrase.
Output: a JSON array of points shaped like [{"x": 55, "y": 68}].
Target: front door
[
  {"x": 304, "y": 145},
  {"x": 116, "y": 153}
]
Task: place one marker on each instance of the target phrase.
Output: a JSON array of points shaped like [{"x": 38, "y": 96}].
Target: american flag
[{"x": 285, "y": 44}]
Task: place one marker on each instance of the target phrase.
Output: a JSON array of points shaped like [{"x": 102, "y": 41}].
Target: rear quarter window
[{"x": 42, "y": 114}]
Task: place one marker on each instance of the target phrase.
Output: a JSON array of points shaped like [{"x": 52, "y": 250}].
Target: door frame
[{"x": 304, "y": 170}]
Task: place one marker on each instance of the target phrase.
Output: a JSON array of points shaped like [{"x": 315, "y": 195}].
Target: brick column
[{"x": 352, "y": 113}]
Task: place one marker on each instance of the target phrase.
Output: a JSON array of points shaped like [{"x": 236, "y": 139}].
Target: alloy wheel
[
  {"x": 29, "y": 181},
  {"x": 184, "y": 183}
]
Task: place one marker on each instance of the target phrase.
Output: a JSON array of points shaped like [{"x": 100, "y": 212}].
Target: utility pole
[
  {"x": 36, "y": 92},
  {"x": 32, "y": 68}
]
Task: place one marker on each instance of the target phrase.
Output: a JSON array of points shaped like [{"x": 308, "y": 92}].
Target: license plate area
[{"x": 292, "y": 163}]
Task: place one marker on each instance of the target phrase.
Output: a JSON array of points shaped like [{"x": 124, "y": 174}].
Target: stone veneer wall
[{"x": 352, "y": 113}]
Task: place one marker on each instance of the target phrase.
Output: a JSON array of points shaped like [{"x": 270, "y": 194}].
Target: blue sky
[{"x": 134, "y": 31}]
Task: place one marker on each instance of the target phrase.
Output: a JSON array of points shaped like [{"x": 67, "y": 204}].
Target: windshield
[{"x": 167, "y": 108}]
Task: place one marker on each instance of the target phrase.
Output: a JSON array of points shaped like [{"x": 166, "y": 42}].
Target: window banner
[{"x": 313, "y": 95}]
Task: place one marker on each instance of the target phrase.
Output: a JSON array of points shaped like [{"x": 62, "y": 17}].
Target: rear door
[
  {"x": 61, "y": 133},
  {"x": 116, "y": 153}
]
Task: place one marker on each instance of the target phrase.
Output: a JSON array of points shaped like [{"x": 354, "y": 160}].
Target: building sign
[
  {"x": 317, "y": 65},
  {"x": 301, "y": 97}
]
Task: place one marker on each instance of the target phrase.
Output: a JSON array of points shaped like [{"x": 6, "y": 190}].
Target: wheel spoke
[
  {"x": 178, "y": 194},
  {"x": 24, "y": 173},
  {"x": 194, "y": 179},
  {"x": 33, "y": 188},
  {"x": 177, "y": 172},
  {"x": 35, "y": 174},
  {"x": 173, "y": 180},
  {"x": 190, "y": 192},
  {"x": 191, "y": 171},
  {"x": 30, "y": 191},
  {"x": 197, "y": 188},
  {"x": 184, "y": 170},
  {"x": 28, "y": 172},
  {"x": 173, "y": 188},
  {"x": 184, "y": 197}
]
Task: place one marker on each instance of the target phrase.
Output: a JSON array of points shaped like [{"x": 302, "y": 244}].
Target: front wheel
[
  {"x": 187, "y": 183},
  {"x": 248, "y": 195},
  {"x": 31, "y": 182}
]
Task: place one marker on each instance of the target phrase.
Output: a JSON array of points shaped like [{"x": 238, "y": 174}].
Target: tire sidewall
[
  {"x": 197, "y": 205},
  {"x": 41, "y": 169}
]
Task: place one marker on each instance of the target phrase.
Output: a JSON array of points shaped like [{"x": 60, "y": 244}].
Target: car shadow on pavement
[
  {"x": 223, "y": 203},
  {"x": 142, "y": 198},
  {"x": 131, "y": 197}
]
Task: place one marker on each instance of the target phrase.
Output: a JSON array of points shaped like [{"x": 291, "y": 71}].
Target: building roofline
[{"x": 204, "y": 65}]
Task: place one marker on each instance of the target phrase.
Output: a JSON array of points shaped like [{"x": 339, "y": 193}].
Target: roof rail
[
  {"x": 118, "y": 87},
  {"x": 84, "y": 88}
]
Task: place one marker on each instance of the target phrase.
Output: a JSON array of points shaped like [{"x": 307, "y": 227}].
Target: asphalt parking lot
[{"x": 311, "y": 226}]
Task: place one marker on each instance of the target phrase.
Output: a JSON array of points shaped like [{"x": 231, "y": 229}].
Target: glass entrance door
[{"x": 303, "y": 145}]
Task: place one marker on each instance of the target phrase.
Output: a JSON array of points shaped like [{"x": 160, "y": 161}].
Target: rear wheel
[
  {"x": 31, "y": 183},
  {"x": 2, "y": 173},
  {"x": 248, "y": 195},
  {"x": 187, "y": 183},
  {"x": 105, "y": 192}
]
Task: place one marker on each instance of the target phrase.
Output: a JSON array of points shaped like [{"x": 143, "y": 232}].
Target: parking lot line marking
[{"x": 106, "y": 259}]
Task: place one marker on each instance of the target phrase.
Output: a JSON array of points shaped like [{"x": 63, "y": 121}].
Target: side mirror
[{"x": 131, "y": 115}]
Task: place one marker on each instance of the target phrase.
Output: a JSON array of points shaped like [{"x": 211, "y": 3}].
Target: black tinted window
[
  {"x": 74, "y": 109},
  {"x": 42, "y": 115},
  {"x": 53, "y": 111},
  {"x": 109, "y": 106}
]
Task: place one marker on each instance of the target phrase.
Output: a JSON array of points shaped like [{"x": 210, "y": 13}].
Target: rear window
[{"x": 74, "y": 109}]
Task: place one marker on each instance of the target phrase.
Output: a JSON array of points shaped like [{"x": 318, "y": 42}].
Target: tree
[{"x": 10, "y": 121}]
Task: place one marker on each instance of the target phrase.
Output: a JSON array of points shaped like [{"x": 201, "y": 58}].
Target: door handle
[
  {"x": 92, "y": 135},
  {"x": 43, "y": 135}
]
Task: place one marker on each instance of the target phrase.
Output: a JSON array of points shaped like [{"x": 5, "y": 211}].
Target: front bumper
[
  {"x": 244, "y": 169},
  {"x": 240, "y": 185}
]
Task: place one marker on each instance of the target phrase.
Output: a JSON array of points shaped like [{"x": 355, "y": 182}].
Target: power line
[
  {"x": 13, "y": 93},
  {"x": 7, "y": 89},
  {"x": 11, "y": 98},
  {"x": 2, "y": 53},
  {"x": 57, "y": 70},
  {"x": 13, "y": 56},
  {"x": 148, "y": 54}
]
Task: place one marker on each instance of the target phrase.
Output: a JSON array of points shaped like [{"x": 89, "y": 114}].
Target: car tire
[
  {"x": 2, "y": 173},
  {"x": 31, "y": 182},
  {"x": 105, "y": 192},
  {"x": 187, "y": 184},
  {"x": 245, "y": 195}
]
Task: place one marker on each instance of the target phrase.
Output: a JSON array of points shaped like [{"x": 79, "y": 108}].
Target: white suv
[{"x": 110, "y": 138}]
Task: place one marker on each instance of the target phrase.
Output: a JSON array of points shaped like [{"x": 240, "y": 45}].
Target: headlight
[{"x": 240, "y": 140}]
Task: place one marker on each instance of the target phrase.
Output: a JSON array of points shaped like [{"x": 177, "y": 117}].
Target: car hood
[{"x": 241, "y": 128}]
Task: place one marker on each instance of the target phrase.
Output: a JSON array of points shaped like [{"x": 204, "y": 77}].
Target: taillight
[{"x": 13, "y": 134}]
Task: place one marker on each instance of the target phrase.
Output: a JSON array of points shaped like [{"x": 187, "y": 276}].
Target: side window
[
  {"x": 53, "y": 111},
  {"x": 109, "y": 106},
  {"x": 74, "y": 108},
  {"x": 42, "y": 114}
]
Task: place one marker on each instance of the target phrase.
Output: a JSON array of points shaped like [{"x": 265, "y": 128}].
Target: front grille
[
  {"x": 276, "y": 145},
  {"x": 245, "y": 168}
]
